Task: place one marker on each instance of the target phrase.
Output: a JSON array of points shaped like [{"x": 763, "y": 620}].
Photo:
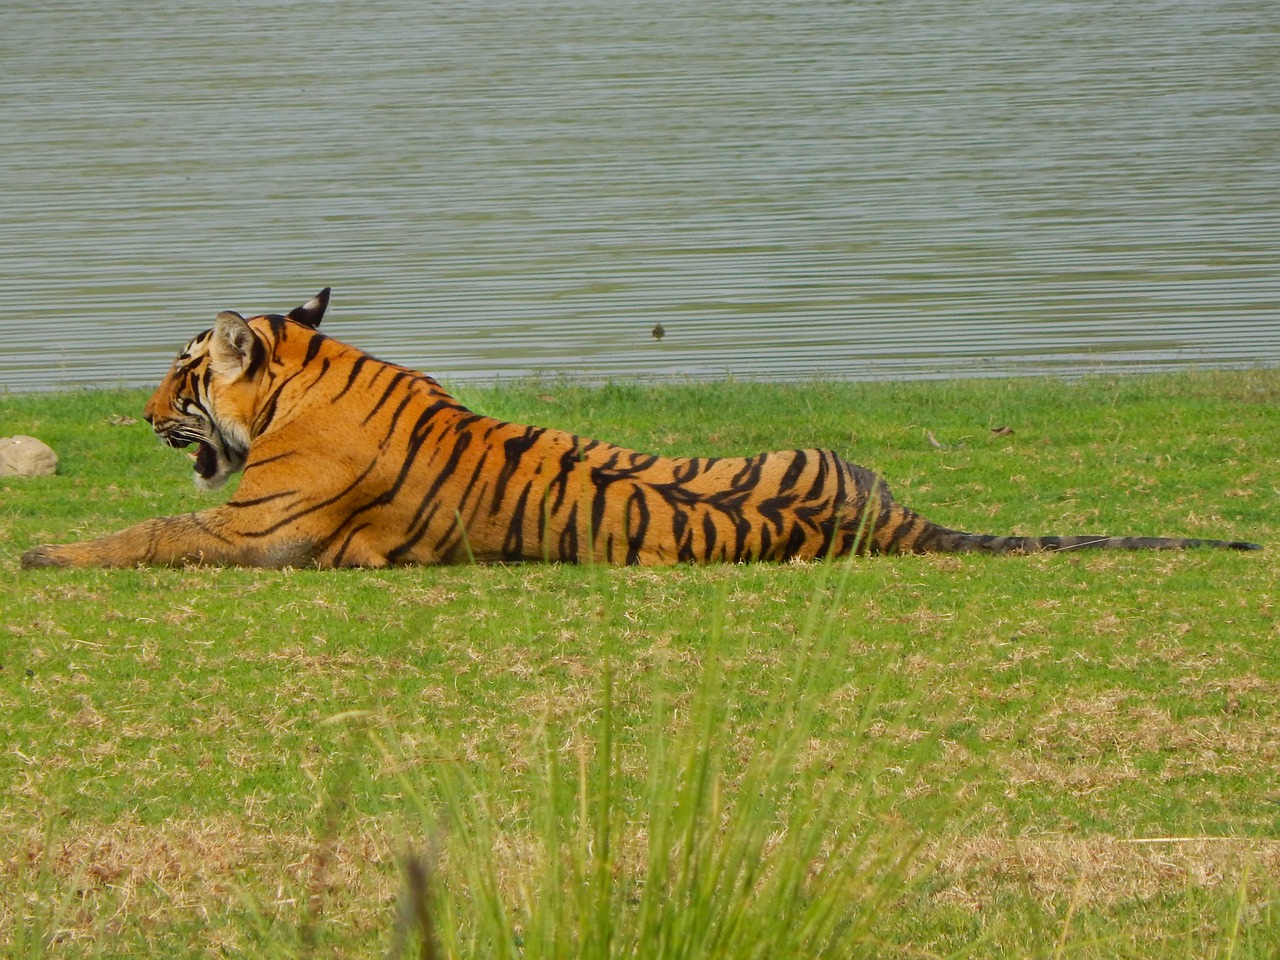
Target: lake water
[{"x": 792, "y": 188}]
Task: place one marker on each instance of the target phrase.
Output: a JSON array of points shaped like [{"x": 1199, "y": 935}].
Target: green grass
[{"x": 1025, "y": 756}]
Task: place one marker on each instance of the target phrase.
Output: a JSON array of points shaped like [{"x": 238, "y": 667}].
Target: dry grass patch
[
  {"x": 1117, "y": 726},
  {"x": 977, "y": 872},
  {"x": 134, "y": 880}
]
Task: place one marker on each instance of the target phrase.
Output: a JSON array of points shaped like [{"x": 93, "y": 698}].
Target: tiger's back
[
  {"x": 376, "y": 465},
  {"x": 351, "y": 461}
]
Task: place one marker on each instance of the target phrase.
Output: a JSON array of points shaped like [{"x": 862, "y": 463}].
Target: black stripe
[
  {"x": 679, "y": 524},
  {"x": 513, "y": 545},
  {"x": 568, "y": 545},
  {"x": 601, "y": 479},
  {"x": 749, "y": 475},
  {"x": 393, "y": 421},
  {"x": 772, "y": 509},
  {"x": 265, "y": 460},
  {"x": 317, "y": 341},
  {"x": 257, "y": 501},
  {"x": 793, "y": 472},
  {"x": 569, "y": 462},
  {"x": 423, "y": 525},
  {"x": 742, "y": 534},
  {"x": 637, "y": 520},
  {"x": 687, "y": 470},
  {"x": 513, "y": 451},
  {"x": 257, "y": 357},
  {"x": 766, "y": 543},
  {"x": 795, "y": 543},
  {"x": 544, "y": 517},
  {"x": 446, "y": 472},
  {"x": 277, "y": 324},
  {"x": 266, "y": 413},
  {"x": 386, "y": 395},
  {"x": 820, "y": 481},
  {"x": 708, "y": 535},
  {"x": 360, "y": 361},
  {"x": 346, "y": 543}
]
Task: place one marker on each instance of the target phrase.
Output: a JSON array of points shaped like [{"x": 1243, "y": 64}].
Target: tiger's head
[{"x": 209, "y": 396}]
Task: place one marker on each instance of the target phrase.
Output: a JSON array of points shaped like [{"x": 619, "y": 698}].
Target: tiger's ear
[
  {"x": 310, "y": 313},
  {"x": 231, "y": 349}
]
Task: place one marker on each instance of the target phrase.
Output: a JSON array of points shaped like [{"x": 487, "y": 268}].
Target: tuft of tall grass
[{"x": 684, "y": 841}]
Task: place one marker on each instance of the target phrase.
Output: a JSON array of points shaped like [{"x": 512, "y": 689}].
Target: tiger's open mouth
[
  {"x": 205, "y": 460},
  {"x": 213, "y": 460},
  {"x": 215, "y": 463}
]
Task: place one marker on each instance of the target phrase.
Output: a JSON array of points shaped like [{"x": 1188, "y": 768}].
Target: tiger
[{"x": 350, "y": 461}]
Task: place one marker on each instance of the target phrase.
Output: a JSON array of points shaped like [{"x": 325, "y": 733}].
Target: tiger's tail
[
  {"x": 942, "y": 540},
  {"x": 887, "y": 526}
]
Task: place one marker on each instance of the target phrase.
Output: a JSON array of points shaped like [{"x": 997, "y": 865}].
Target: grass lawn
[{"x": 1049, "y": 755}]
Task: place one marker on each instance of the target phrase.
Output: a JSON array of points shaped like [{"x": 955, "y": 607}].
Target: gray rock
[{"x": 26, "y": 457}]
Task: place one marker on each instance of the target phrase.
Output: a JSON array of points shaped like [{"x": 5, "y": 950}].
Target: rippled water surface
[{"x": 792, "y": 188}]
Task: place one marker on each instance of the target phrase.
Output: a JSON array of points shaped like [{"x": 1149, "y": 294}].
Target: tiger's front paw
[{"x": 45, "y": 555}]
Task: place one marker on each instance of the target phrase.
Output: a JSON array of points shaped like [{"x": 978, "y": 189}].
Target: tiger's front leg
[{"x": 205, "y": 537}]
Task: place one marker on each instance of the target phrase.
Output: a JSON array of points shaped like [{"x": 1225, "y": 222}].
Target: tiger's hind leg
[{"x": 871, "y": 521}]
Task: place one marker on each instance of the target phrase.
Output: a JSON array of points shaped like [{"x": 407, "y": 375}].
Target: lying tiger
[{"x": 352, "y": 462}]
